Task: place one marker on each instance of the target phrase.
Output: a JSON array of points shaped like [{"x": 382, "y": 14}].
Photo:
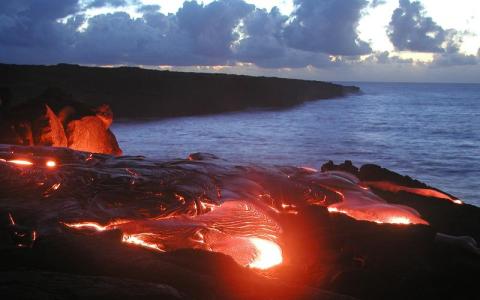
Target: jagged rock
[
  {"x": 48, "y": 131},
  {"x": 104, "y": 113},
  {"x": 54, "y": 119},
  {"x": 32, "y": 125},
  {"x": 347, "y": 166}
]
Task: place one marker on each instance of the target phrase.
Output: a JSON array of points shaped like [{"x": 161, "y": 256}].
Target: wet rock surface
[{"x": 350, "y": 252}]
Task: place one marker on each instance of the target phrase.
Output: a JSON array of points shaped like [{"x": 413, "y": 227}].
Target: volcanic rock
[
  {"x": 48, "y": 285},
  {"x": 90, "y": 134},
  {"x": 54, "y": 119},
  {"x": 34, "y": 124},
  {"x": 126, "y": 221}
]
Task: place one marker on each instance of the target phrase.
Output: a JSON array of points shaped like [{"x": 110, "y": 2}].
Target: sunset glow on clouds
[{"x": 390, "y": 40}]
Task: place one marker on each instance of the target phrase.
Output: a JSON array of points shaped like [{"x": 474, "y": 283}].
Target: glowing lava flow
[
  {"x": 362, "y": 204},
  {"x": 140, "y": 240},
  {"x": 51, "y": 164},
  {"x": 88, "y": 225},
  {"x": 239, "y": 229},
  {"x": 380, "y": 214},
  {"x": 399, "y": 220},
  {"x": 425, "y": 192},
  {"x": 21, "y": 162},
  {"x": 269, "y": 254}
]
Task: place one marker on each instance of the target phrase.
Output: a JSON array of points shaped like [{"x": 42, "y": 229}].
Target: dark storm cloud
[
  {"x": 410, "y": 29},
  {"x": 211, "y": 28},
  {"x": 264, "y": 43},
  {"x": 33, "y": 23},
  {"x": 30, "y": 33},
  {"x": 196, "y": 35},
  {"x": 222, "y": 32},
  {"x": 328, "y": 26}
]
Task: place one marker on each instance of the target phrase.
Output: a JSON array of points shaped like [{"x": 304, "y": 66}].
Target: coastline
[{"x": 134, "y": 93}]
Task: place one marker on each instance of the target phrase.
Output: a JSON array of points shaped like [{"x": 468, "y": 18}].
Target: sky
[{"x": 333, "y": 40}]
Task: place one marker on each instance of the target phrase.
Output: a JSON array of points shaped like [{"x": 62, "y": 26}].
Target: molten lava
[
  {"x": 21, "y": 162},
  {"x": 269, "y": 254},
  {"x": 141, "y": 239},
  {"x": 209, "y": 205},
  {"x": 236, "y": 228},
  {"x": 392, "y": 187},
  {"x": 51, "y": 164}
]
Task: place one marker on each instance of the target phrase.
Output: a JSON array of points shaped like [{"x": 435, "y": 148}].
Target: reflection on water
[{"x": 428, "y": 131}]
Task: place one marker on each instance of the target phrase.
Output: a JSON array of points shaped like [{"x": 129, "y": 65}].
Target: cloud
[
  {"x": 210, "y": 28},
  {"x": 322, "y": 34},
  {"x": 376, "y": 3},
  {"x": 384, "y": 57},
  {"x": 150, "y": 8},
  {"x": 196, "y": 35},
  {"x": 222, "y": 32},
  {"x": 103, "y": 3},
  {"x": 411, "y": 30},
  {"x": 454, "y": 59},
  {"x": 328, "y": 26},
  {"x": 33, "y": 23},
  {"x": 30, "y": 32},
  {"x": 263, "y": 43}
]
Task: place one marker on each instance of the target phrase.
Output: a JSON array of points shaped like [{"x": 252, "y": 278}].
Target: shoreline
[{"x": 133, "y": 92}]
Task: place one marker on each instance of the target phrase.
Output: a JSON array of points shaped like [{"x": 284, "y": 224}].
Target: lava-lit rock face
[
  {"x": 281, "y": 220},
  {"x": 53, "y": 119}
]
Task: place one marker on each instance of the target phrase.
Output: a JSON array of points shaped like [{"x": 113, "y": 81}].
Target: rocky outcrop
[
  {"x": 54, "y": 119},
  {"x": 32, "y": 124}
]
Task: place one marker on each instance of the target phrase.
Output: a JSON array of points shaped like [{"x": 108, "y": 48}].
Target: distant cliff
[{"x": 139, "y": 93}]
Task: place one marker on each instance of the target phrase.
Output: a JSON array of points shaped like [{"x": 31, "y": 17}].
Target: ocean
[{"x": 430, "y": 132}]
